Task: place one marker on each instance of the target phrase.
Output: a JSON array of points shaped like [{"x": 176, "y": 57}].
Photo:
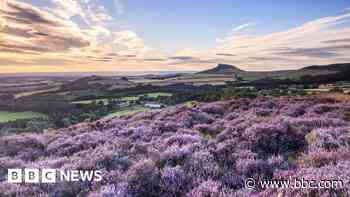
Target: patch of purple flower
[{"x": 205, "y": 151}]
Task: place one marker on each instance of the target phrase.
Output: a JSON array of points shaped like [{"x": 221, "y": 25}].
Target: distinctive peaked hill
[{"x": 223, "y": 69}]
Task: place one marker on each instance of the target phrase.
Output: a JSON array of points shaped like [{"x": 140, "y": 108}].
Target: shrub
[
  {"x": 257, "y": 169},
  {"x": 174, "y": 181},
  {"x": 207, "y": 189},
  {"x": 26, "y": 146},
  {"x": 214, "y": 108},
  {"x": 274, "y": 138},
  {"x": 143, "y": 179},
  {"x": 202, "y": 165}
]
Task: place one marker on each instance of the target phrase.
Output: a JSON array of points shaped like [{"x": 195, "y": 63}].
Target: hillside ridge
[{"x": 230, "y": 69}]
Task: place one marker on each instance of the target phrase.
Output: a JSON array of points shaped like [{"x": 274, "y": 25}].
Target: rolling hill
[
  {"x": 225, "y": 69},
  {"x": 98, "y": 82}
]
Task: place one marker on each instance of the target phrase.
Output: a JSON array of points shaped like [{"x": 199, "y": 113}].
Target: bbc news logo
[{"x": 52, "y": 176}]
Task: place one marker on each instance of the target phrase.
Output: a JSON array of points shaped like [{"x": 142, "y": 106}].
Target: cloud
[
  {"x": 25, "y": 28},
  {"x": 320, "y": 41},
  {"x": 183, "y": 58},
  {"x": 79, "y": 33},
  {"x": 128, "y": 56},
  {"x": 321, "y": 52},
  {"x": 154, "y": 59},
  {"x": 226, "y": 54},
  {"x": 16, "y": 12},
  {"x": 176, "y": 60},
  {"x": 254, "y": 58},
  {"x": 308, "y": 52},
  {"x": 338, "y": 40},
  {"x": 90, "y": 13},
  {"x": 112, "y": 54},
  {"x": 18, "y": 48},
  {"x": 63, "y": 33},
  {"x": 128, "y": 42},
  {"x": 243, "y": 27},
  {"x": 68, "y": 8}
]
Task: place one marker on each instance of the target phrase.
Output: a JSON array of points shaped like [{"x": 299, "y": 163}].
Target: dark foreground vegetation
[
  {"x": 203, "y": 150},
  {"x": 61, "y": 113}
]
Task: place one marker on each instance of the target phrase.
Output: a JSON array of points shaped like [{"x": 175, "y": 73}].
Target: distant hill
[
  {"x": 316, "y": 70},
  {"x": 332, "y": 67},
  {"x": 223, "y": 69},
  {"x": 98, "y": 82}
]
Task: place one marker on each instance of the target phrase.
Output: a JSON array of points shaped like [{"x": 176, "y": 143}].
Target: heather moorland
[{"x": 208, "y": 149}]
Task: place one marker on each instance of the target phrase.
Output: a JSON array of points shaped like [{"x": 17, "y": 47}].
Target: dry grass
[
  {"x": 336, "y": 96},
  {"x": 30, "y": 93}
]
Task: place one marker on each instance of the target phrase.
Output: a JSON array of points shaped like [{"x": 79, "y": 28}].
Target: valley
[{"x": 67, "y": 100}]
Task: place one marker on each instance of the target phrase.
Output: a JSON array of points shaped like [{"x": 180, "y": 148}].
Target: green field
[
  {"x": 158, "y": 94},
  {"x": 130, "y": 98},
  {"x": 191, "y": 104},
  {"x": 128, "y": 111},
  {"x": 6, "y": 116},
  {"x": 105, "y": 101},
  {"x": 127, "y": 98}
]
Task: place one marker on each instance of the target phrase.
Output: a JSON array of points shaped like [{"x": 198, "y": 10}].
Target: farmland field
[
  {"x": 23, "y": 94},
  {"x": 6, "y": 116},
  {"x": 127, "y": 98},
  {"x": 158, "y": 94},
  {"x": 128, "y": 111},
  {"x": 130, "y": 98},
  {"x": 105, "y": 101}
]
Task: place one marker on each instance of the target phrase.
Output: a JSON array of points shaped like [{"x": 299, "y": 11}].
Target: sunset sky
[{"x": 177, "y": 35}]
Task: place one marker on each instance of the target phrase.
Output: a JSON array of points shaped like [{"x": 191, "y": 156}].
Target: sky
[{"x": 177, "y": 35}]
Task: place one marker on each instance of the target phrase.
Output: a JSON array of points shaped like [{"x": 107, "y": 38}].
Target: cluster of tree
[
  {"x": 85, "y": 112},
  {"x": 6, "y": 97},
  {"x": 60, "y": 119},
  {"x": 216, "y": 93},
  {"x": 26, "y": 125},
  {"x": 322, "y": 79}
]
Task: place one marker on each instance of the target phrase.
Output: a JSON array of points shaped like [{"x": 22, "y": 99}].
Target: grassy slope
[
  {"x": 127, "y": 98},
  {"x": 6, "y": 116},
  {"x": 158, "y": 94},
  {"x": 128, "y": 111},
  {"x": 30, "y": 93}
]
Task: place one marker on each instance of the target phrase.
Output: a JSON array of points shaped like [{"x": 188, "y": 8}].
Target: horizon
[
  {"x": 87, "y": 73},
  {"x": 80, "y": 36},
  {"x": 129, "y": 73}
]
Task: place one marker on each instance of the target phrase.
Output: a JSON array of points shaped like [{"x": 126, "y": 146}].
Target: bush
[
  {"x": 274, "y": 138},
  {"x": 144, "y": 179},
  {"x": 202, "y": 165},
  {"x": 174, "y": 181},
  {"x": 208, "y": 188}
]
